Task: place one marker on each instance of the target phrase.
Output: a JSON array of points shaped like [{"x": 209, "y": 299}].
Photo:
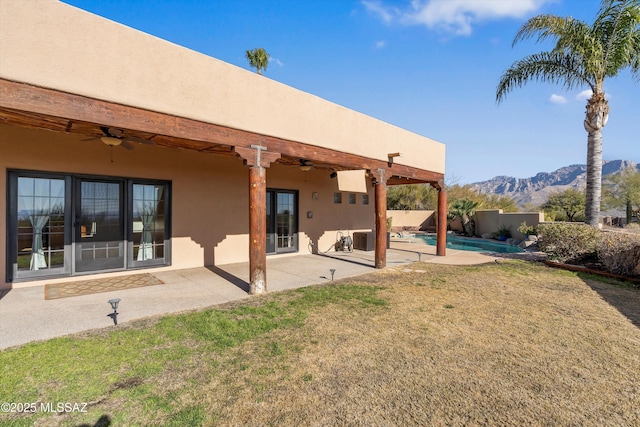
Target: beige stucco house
[{"x": 120, "y": 151}]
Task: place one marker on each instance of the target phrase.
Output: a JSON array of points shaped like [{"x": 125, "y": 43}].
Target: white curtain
[
  {"x": 148, "y": 212},
  {"x": 38, "y": 261},
  {"x": 145, "y": 251}
]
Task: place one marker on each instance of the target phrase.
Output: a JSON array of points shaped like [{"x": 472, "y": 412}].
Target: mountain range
[{"x": 536, "y": 190}]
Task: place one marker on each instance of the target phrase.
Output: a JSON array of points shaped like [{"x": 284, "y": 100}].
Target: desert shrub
[
  {"x": 503, "y": 231},
  {"x": 567, "y": 241},
  {"x": 528, "y": 230},
  {"x": 620, "y": 252}
]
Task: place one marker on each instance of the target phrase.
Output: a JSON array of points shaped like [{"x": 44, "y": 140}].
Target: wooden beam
[
  {"x": 396, "y": 180},
  {"x": 380, "y": 194},
  {"x": 441, "y": 236},
  {"x": 61, "y": 107},
  {"x": 258, "y": 158},
  {"x": 253, "y": 157},
  {"x": 257, "y": 230}
]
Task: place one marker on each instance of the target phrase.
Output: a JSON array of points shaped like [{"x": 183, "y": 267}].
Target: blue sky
[{"x": 429, "y": 66}]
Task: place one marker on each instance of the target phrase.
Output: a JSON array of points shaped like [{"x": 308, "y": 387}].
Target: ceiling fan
[
  {"x": 114, "y": 137},
  {"x": 305, "y": 165}
]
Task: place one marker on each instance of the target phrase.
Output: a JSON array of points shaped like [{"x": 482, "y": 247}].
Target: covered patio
[{"x": 174, "y": 108}]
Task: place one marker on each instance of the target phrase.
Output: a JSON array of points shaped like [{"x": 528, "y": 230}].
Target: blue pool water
[{"x": 467, "y": 244}]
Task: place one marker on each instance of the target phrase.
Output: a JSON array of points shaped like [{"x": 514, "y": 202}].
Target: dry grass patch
[
  {"x": 510, "y": 344},
  {"x": 502, "y": 344}
]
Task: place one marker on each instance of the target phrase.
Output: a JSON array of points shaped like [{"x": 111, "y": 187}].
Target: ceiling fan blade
[
  {"x": 115, "y": 132},
  {"x": 138, "y": 140},
  {"x": 95, "y": 138},
  {"x": 126, "y": 145}
]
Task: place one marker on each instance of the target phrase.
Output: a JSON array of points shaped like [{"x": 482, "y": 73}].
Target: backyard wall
[
  {"x": 412, "y": 220},
  {"x": 488, "y": 221}
]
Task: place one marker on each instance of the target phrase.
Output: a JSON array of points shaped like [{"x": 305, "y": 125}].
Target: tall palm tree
[
  {"x": 584, "y": 55},
  {"x": 258, "y": 58}
]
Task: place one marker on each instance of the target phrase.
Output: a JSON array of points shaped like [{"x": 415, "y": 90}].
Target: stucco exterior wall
[
  {"x": 210, "y": 193},
  {"x": 414, "y": 218},
  {"x": 488, "y": 221},
  {"x": 51, "y": 44}
]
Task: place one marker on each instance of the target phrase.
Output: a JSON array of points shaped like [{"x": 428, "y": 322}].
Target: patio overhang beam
[{"x": 31, "y": 106}]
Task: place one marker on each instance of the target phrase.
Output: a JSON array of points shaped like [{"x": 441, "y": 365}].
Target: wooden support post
[
  {"x": 257, "y": 230},
  {"x": 441, "y": 236},
  {"x": 257, "y": 158},
  {"x": 380, "y": 187}
]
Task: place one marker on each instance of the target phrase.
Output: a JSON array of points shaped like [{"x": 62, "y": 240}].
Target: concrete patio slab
[{"x": 26, "y": 316}]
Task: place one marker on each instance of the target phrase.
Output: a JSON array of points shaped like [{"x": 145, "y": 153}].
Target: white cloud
[
  {"x": 375, "y": 7},
  {"x": 586, "y": 94},
  {"x": 453, "y": 16},
  {"x": 276, "y": 61},
  {"x": 557, "y": 99},
  {"x": 380, "y": 44}
]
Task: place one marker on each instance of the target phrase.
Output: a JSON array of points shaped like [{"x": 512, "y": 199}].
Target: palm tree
[
  {"x": 465, "y": 209},
  {"x": 258, "y": 58},
  {"x": 584, "y": 55}
]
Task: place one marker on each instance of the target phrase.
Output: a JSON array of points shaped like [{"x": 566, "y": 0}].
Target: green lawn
[{"x": 511, "y": 343}]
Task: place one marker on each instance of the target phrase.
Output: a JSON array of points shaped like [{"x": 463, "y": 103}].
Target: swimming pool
[{"x": 467, "y": 244}]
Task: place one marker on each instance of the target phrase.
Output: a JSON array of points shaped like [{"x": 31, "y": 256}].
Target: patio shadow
[
  {"x": 350, "y": 257},
  {"x": 235, "y": 280}
]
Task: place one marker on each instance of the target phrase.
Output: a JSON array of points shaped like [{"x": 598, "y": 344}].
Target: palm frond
[
  {"x": 552, "y": 67},
  {"x": 551, "y": 26},
  {"x": 617, "y": 28},
  {"x": 258, "y": 58},
  {"x": 635, "y": 63}
]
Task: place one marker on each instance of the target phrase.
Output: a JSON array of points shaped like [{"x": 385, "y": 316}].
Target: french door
[
  {"x": 38, "y": 230},
  {"x": 282, "y": 221},
  {"x": 61, "y": 224},
  {"x": 99, "y": 225}
]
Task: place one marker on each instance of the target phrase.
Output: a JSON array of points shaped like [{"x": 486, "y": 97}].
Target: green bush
[
  {"x": 528, "y": 230},
  {"x": 620, "y": 252},
  {"x": 568, "y": 241},
  {"x": 503, "y": 231}
]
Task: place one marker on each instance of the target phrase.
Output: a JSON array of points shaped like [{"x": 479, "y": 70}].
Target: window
[
  {"x": 282, "y": 221},
  {"x": 149, "y": 226},
  {"x": 365, "y": 199},
  {"x": 37, "y": 225},
  {"x": 352, "y": 198},
  {"x": 337, "y": 198},
  {"x": 61, "y": 224}
]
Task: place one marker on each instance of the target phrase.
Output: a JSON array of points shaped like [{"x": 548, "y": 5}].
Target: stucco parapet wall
[{"x": 54, "y": 45}]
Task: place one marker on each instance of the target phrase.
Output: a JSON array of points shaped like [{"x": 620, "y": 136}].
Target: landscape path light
[{"x": 114, "y": 305}]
